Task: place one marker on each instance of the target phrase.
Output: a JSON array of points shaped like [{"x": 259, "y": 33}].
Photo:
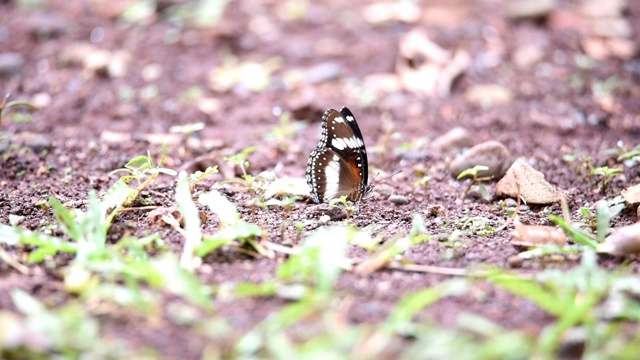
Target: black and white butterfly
[{"x": 338, "y": 166}]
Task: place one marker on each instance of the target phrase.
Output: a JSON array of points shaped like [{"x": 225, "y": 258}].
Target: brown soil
[{"x": 64, "y": 152}]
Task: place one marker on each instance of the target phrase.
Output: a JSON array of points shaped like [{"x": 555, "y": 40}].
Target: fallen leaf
[
  {"x": 426, "y": 68},
  {"x": 632, "y": 194},
  {"x": 623, "y": 241},
  {"x": 536, "y": 235}
]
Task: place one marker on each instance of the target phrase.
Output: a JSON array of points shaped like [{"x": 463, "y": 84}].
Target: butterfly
[{"x": 338, "y": 166}]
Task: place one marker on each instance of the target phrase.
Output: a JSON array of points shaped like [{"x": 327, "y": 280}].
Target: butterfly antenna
[{"x": 385, "y": 178}]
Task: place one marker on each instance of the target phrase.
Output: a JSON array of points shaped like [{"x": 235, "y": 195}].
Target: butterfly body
[{"x": 338, "y": 166}]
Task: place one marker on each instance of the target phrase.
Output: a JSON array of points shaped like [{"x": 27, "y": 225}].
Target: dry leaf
[
  {"x": 534, "y": 189},
  {"x": 388, "y": 12},
  {"x": 158, "y": 217},
  {"x": 632, "y": 194},
  {"x": 623, "y": 241},
  {"x": 424, "y": 67},
  {"x": 536, "y": 235}
]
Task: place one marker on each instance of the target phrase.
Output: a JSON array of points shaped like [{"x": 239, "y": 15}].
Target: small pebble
[
  {"x": 436, "y": 211},
  {"x": 510, "y": 203},
  {"x": 45, "y": 26},
  {"x": 492, "y": 154},
  {"x": 515, "y": 262},
  {"x": 488, "y": 95},
  {"x": 327, "y": 212},
  {"x": 11, "y": 63},
  {"x": 471, "y": 256},
  {"x": 454, "y": 139},
  {"x": 529, "y": 10},
  {"x": 38, "y": 142},
  {"x": 384, "y": 190},
  {"x": 399, "y": 199}
]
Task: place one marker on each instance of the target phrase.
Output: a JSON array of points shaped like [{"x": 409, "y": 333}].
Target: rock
[
  {"x": 599, "y": 8},
  {"x": 492, "y": 154},
  {"x": 488, "y": 95},
  {"x": 384, "y": 190},
  {"x": 399, "y": 199},
  {"x": 454, "y": 139},
  {"x": 515, "y": 262},
  {"x": 436, "y": 211},
  {"x": 529, "y": 10},
  {"x": 322, "y": 72},
  {"x": 38, "y": 142},
  {"x": 11, "y": 63},
  {"x": 392, "y": 11},
  {"x": 46, "y": 26},
  {"x": 510, "y": 203},
  {"x": 96, "y": 60},
  {"x": 622, "y": 48},
  {"x": 533, "y": 187},
  {"x": 623, "y": 241},
  {"x": 595, "y": 48},
  {"x": 528, "y": 55},
  {"x": 328, "y": 212},
  {"x": 609, "y": 27}
]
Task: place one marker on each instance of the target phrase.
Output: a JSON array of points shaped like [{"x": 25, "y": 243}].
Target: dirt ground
[{"x": 95, "y": 116}]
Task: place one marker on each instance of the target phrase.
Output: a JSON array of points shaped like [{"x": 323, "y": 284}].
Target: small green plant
[
  {"x": 198, "y": 176},
  {"x": 585, "y": 168},
  {"x": 578, "y": 299},
  {"x": 286, "y": 128},
  {"x": 187, "y": 130},
  {"x": 422, "y": 182},
  {"x": 606, "y": 175},
  {"x": 240, "y": 159},
  {"x": 142, "y": 170},
  {"x": 4, "y": 105},
  {"x": 477, "y": 225},
  {"x": 476, "y": 181},
  {"x": 628, "y": 156},
  {"x": 601, "y": 89},
  {"x": 342, "y": 202},
  {"x": 233, "y": 230}
]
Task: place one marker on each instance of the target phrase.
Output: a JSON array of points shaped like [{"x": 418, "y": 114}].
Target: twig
[
  {"x": 140, "y": 208},
  {"x": 515, "y": 213},
  {"x": 438, "y": 270},
  {"x": 4, "y": 256}
]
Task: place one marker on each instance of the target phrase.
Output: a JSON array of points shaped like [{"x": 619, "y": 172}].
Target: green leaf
[
  {"x": 66, "y": 221},
  {"x": 547, "y": 300},
  {"x": 211, "y": 243},
  {"x": 49, "y": 245},
  {"x": 139, "y": 163},
  {"x": 473, "y": 172},
  {"x": 320, "y": 259},
  {"x": 192, "y": 224},
  {"x": 603, "y": 218},
  {"x": 410, "y": 305},
  {"x": 577, "y": 235},
  {"x": 222, "y": 207},
  {"x": 26, "y": 303}
]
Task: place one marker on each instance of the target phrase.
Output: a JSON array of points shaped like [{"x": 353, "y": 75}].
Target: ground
[{"x": 112, "y": 78}]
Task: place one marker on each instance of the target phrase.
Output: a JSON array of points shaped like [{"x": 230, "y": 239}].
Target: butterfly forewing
[{"x": 339, "y": 164}]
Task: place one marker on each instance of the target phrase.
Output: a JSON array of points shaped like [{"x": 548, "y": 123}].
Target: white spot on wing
[{"x": 338, "y": 143}]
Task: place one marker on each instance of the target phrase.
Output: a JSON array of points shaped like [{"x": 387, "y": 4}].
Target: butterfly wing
[{"x": 339, "y": 165}]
